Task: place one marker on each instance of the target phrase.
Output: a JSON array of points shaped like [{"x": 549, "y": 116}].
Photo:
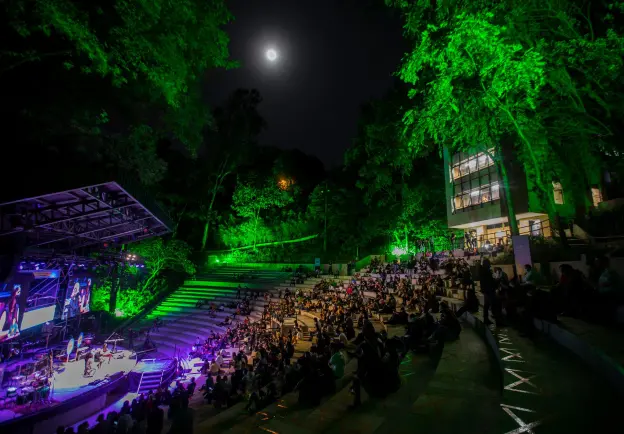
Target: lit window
[
  {"x": 456, "y": 173},
  {"x": 558, "y": 193},
  {"x": 476, "y": 196},
  {"x": 472, "y": 164},
  {"x": 458, "y": 202},
  {"x": 596, "y": 195}
]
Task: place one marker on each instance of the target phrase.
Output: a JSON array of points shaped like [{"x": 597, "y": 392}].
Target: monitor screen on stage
[
  {"x": 77, "y": 297},
  {"x": 10, "y": 298}
]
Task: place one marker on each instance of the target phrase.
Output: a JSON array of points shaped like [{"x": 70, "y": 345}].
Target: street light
[{"x": 284, "y": 183}]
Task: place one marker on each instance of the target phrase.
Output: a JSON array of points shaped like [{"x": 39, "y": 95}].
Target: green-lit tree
[
  {"x": 488, "y": 73},
  {"x": 160, "y": 254},
  {"x": 339, "y": 208},
  {"x": 404, "y": 191},
  {"x": 165, "y": 45},
  {"x": 117, "y": 77},
  {"x": 229, "y": 144},
  {"x": 250, "y": 199}
]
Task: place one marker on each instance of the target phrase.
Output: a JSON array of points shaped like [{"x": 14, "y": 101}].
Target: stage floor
[{"x": 71, "y": 383}]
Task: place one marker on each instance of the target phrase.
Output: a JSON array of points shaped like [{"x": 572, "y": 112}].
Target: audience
[{"x": 255, "y": 362}]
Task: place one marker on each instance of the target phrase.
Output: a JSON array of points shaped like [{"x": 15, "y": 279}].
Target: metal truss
[{"x": 78, "y": 218}]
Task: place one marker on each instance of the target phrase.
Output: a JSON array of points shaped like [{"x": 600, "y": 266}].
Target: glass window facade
[
  {"x": 476, "y": 196},
  {"x": 558, "y": 193},
  {"x": 596, "y": 195},
  {"x": 465, "y": 164},
  {"x": 475, "y": 180}
]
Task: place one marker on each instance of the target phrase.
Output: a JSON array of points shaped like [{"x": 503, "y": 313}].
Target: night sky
[{"x": 334, "y": 55}]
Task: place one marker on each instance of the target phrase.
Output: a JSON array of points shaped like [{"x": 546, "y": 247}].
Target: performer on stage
[
  {"x": 98, "y": 358},
  {"x": 106, "y": 352},
  {"x": 88, "y": 364},
  {"x": 50, "y": 363}
]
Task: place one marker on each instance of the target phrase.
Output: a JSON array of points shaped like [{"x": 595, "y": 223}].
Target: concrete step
[
  {"x": 190, "y": 295},
  {"x": 224, "y": 285},
  {"x": 199, "y": 314},
  {"x": 182, "y": 300},
  {"x": 176, "y": 306}
]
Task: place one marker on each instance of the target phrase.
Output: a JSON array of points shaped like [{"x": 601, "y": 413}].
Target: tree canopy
[
  {"x": 120, "y": 76},
  {"x": 530, "y": 74}
]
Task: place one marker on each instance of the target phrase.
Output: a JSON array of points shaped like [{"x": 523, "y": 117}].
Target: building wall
[
  {"x": 493, "y": 209},
  {"x": 577, "y": 195}
]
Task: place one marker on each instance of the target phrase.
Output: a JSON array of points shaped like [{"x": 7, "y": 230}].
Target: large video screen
[
  {"x": 10, "y": 298},
  {"x": 41, "y": 297},
  {"x": 77, "y": 297}
]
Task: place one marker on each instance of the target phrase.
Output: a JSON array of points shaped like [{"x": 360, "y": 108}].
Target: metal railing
[{"x": 502, "y": 237}]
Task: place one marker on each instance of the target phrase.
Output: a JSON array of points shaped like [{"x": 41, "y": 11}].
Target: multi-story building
[{"x": 475, "y": 199}]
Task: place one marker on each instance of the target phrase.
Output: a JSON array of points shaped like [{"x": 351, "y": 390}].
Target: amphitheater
[{"x": 489, "y": 381}]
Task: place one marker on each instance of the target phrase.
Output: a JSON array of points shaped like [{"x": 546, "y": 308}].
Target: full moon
[{"x": 271, "y": 55}]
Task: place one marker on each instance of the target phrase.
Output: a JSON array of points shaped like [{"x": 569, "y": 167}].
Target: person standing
[{"x": 488, "y": 288}]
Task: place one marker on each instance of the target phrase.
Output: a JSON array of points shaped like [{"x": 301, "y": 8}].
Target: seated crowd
[{"x": 264, "y": 366}]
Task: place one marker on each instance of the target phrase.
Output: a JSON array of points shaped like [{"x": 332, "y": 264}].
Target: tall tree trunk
[
  {"x": 152, "y": 276},
  {"x": 546, "y": 188},
  {"x": 177, "y": 223},
  {"x": 511, "y": 213},
  {"x": 205, "y": 235},
  {"x": 208, "y": 217},
  {"x": 406, "y": 240},
  {"x": 502, "y": 169}
]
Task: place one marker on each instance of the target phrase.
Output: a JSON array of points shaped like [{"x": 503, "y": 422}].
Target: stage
[
  {"x": 69, "y": 387},
  {"x": 71, "y": 382}
]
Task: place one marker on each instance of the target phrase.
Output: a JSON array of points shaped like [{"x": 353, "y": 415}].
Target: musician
[
  {"x": 98, "y": 358},
  {"x": 88, "y": 364},
  {"x": 50, "y": 363},
  {"x": 106, "y": 353}
]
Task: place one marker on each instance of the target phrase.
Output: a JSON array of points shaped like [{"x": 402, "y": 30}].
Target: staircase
[
  {"x": 150, "y": 381},
  {"x": 184, "y": 323}
]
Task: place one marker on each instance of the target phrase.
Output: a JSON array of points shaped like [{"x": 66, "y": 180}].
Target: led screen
[
  {"x": 10, "y": 308},
  {"x": 77, "y": 298}
]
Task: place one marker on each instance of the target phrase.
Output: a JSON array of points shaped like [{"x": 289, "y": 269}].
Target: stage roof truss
[{"x": 73, "y": 219}]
